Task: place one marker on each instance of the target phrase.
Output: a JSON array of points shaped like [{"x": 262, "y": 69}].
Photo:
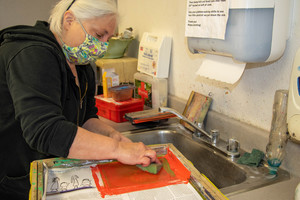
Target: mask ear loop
[{"x": 82, "y": 27}]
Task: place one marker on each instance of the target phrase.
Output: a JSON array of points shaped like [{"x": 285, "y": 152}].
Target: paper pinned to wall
[
  {"x": 206, "y": 18},
  {"x": 221, "y": 68}
]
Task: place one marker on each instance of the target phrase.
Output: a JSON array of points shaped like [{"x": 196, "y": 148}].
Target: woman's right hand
[
  {"x": 93, "y": 146},
  {"x": 135, "y": 153}
]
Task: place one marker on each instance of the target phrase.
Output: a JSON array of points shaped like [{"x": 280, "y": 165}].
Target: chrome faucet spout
[{"x": 166, "y": 109}]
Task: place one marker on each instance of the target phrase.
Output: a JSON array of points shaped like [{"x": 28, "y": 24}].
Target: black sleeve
[{"x": 35, "y": 82}]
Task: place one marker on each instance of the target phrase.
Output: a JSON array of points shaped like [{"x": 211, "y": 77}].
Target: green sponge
[
  {"x": 252, "y": 159},
  {"x": 153, "y": 168}
]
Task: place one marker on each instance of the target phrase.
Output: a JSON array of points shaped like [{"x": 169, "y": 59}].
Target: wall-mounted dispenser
[
  {"x": 256, "y": 31},
  {"x": 293, "y": 110}
]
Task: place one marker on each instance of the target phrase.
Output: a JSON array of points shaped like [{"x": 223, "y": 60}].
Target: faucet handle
[
  {"x": 233, "y": 147},
  {"x": 214, "y": 136}
]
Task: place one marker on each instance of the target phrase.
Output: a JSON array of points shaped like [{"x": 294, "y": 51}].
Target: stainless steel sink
[{"x": 224, "y": 172}]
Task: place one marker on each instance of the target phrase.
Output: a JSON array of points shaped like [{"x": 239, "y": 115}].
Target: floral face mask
[{"x": 90, "y": 50}]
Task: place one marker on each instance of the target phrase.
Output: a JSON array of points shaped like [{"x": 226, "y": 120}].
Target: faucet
[
  {"x": 231, "y": 149},
  {"x": 212, "y": 137}
]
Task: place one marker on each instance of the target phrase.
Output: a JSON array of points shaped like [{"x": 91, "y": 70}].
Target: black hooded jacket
[{"x": 40, "y": 103}]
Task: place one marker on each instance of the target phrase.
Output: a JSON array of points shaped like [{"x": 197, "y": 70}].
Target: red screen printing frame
[{"x": 116, "y": 178}]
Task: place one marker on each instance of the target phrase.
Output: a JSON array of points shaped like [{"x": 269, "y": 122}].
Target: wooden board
[
  {"x": 196, "y": 109},
  {"x": 205, "y": 188}
]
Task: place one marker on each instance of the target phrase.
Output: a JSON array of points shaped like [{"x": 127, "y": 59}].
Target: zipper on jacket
[
  {"x": 84, "y": 94},
  {"x": 81, "y": 97}
]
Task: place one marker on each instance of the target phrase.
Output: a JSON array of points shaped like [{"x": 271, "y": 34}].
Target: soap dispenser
[
  {"x": 293, "y": 112},
  {"x": 297, "y": 192}
]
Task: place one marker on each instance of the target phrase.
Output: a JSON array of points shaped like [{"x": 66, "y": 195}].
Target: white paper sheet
[
  {"x": 221, "y": 68},
  {"x": 68, "y": 180},
  {"x": 206, "y": 18},
  {"x": 172, "y": 192},
  {"x": 77, "y": 183}
]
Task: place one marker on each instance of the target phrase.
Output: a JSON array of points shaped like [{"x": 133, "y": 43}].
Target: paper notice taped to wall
[{"x": 206, "y": 18}]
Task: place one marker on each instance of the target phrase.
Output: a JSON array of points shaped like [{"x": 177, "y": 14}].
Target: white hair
[{"x": 82, "y": 9}]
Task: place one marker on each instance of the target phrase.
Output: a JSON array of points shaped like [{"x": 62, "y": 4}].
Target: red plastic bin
[{"x": 115, "y": 111}]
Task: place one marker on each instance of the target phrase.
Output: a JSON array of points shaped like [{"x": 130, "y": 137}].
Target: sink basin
[{"x": 228, "y": 176}]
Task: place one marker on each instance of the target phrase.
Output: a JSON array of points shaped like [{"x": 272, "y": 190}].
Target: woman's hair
[{"x": 82, "y": 9}]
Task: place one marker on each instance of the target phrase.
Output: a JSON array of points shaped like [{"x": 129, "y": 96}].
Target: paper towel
[{"x": 221, "y": 68}]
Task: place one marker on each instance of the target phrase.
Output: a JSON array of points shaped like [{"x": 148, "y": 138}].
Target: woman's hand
[
  {"x": 93, "y": 146},
  {"x": 135, "y": 153},
  {"x": 109, "y": 144}
]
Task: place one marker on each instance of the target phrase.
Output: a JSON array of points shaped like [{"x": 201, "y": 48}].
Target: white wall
[
  {"x": 250, "y": 101},
  {"x": 24, "y": 12}
]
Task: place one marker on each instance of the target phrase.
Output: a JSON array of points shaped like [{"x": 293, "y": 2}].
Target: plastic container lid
[
  {"x": 121, "y": 87},
  {"x": 121, "y": 92}
]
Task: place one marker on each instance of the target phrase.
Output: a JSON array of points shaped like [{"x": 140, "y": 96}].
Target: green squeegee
[{"x": 153, "y": 168}]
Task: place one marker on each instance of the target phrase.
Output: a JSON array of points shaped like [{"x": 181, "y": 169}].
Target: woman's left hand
[
  {"x": 119, "y": 137},
  {"x": 97, "y": 126}
]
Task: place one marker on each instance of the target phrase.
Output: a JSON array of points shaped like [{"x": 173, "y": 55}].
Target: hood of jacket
[{"x": 39, "y": 32}]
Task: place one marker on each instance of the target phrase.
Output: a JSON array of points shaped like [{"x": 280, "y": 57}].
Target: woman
[{"x": 47, "y": 94}]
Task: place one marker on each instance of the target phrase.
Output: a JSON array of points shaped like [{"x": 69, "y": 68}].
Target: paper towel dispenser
[{"x": 256, "y": 31}]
